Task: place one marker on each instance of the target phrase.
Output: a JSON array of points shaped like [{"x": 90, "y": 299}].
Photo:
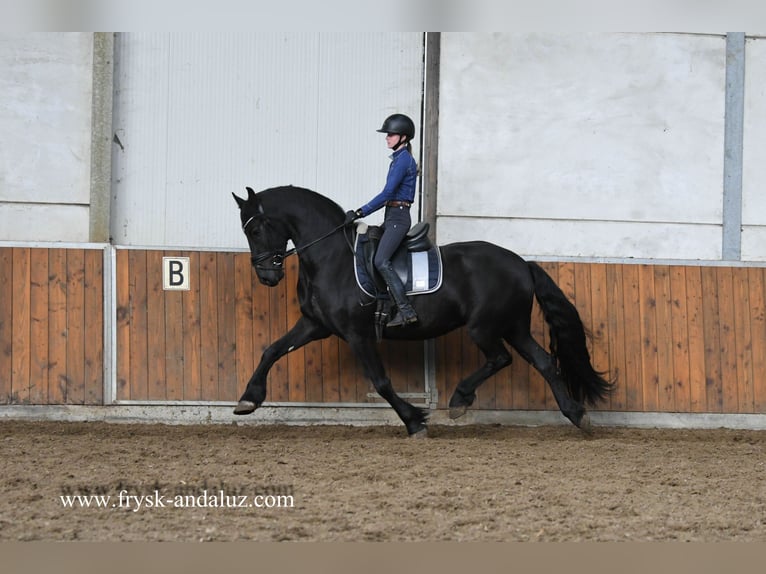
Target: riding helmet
[{"x": 399, "y": 124}]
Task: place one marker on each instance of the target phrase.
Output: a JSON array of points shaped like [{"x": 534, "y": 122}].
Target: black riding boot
[{"x": 406, "y": 314}]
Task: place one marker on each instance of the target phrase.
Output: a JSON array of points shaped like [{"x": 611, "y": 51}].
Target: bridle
[{"x": 278, "y": 257}]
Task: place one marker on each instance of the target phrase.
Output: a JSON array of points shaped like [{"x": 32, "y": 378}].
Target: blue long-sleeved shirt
[{"x": 400, "y": 182}]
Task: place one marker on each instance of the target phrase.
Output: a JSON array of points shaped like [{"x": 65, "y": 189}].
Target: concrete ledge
[{"x": 364, "y": 416}]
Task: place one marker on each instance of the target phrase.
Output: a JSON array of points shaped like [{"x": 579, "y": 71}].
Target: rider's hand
[{"x": 352, "y": 216}]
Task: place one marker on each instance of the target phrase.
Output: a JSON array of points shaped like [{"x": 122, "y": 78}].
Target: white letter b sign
[{"x": 175, "y": 273}]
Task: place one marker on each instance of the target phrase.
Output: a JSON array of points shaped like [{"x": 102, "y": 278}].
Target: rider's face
[{"x": 393, "y": 140}]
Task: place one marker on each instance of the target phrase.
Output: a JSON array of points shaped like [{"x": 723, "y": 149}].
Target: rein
[{"x": 277, "y": 258}]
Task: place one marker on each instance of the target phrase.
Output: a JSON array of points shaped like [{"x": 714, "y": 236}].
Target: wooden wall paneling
[
  {"x": 330, "y": 370},
  {"x": 38, "y": 329},
  {"x": 173, "y": 322},
  {"x": 193, "y": 340},
  {"x": 353, "y": 383},
  {"x": 757, "y": 288},
  {"x": 729, "y": 382},
  {"x": 208, "y": 287},
  {"x": 93, "y": 283},
  {"x": 712, "y": 337},
  {"x": 696, "y": 340},
  {"x": 743, "y": 319},
  {"x": 6, "y": 323},
  {"x": 227, "y": 328},
  {"x": 648, "y": 307},
  {"x": 664, "y": 339},
  {"x": 57, "y": 326},
  {"x": 138, "y": 381},
  {"x": 156, "y": 377},
  {"x": 632, "y": 334},
  {"x": 20, "y": 322},
  {"x": 75, "y": 327},
  {"x": 599, "y": 327},
  {"x": 679, "y": 341},
  {"x": 122, "y": 324},
  {"x": 616, "y": 337}
]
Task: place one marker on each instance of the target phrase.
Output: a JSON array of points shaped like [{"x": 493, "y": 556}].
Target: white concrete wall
[
  {"x": 45, "y": 136},
  {"x": 754, "y": 150},
  {"x": 200, "y": 116},
  {"x": 592, "y": 145}
]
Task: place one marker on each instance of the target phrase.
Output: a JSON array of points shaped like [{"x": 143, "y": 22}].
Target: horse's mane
[{"x": 313, "y": 202}]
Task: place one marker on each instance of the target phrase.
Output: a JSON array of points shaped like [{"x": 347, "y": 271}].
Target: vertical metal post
[
  {"x": 733, "y": 143},
  {"x": 101, "y": 137},
  {"x": 429, "y": 179}
]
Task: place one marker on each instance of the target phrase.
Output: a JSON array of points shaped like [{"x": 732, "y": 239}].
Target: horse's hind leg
[
  {"x": 497, "y": 357},
  {"x": 535, "y": 355},
  {"x": 413, "y": 417}
]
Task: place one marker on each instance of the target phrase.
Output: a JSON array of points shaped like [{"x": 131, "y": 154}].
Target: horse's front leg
[
  {"x": 304, "y": 331},
  {"x": 413, "y": 417}
]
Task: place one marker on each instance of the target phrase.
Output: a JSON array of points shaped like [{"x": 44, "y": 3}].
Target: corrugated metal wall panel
[{"x": 200, "y": 116}]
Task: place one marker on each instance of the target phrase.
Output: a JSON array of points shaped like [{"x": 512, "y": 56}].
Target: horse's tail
[{"x": 567, "y": 335}]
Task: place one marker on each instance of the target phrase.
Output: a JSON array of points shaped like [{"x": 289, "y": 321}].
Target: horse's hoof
[
  {"x": 457, "y": 412},
  {"x": 245, "y": 407},
  {"x": 585, "y": 425},
  {"x": 422, "y": 433}
]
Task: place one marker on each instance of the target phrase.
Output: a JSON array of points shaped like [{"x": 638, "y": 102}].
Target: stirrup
[{"x": 403, "y": 319}]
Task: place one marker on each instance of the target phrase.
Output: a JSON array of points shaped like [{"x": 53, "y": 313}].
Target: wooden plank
[
  {"x": 600, "y": 321},
  {"x": 75, "y": 308},
  {"x": 94, "y": 327},
  {"x": 757, "y": 285},
  {"x": 727, "y": 325},
  {"x": 138, "y": 326},
  {"x": 712, "y": 338},
  {"x": 123, "y": 324},
  {"x": 632, "y": 334},
  {"x": 155, "y": 328},
  {"x": 696, "y": 340},
  {"x": 330, "y": 370},
  {"x": 350, "y": 375},
  {"x": 616, "y": 330},
  {"x": 650, "y": 380},
  {"x": 20, "y": 326},
  {"x": 243, "y": 292},
  {"x": 208, "y": 289},
  {"x": 192, "y": 328},
  {"x": 449, "y": 369},
  {"x": 743, "y": 340},
  {"x": 314, "y": 374},
  {"x": 665, "y": 351},
  {"x": 57, "y": 325},
  {"x": 38, "y": 330},
  {"x": 227, "y": 328},
  {"x": 174, "y": 338},
  {"x": 679, "y": 339},
  {"x": 6, "y": 323}
]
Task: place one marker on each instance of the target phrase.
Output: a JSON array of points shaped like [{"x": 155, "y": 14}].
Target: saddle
[{"x": 417, "y": 262}]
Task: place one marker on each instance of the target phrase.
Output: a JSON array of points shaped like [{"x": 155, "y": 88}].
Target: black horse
[{"x": 485, "y": 287}]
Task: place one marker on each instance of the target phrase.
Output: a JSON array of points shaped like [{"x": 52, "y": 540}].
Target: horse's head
[{"x": 266, "y": 237}]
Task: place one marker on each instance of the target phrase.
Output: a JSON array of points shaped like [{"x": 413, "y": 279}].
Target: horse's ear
[
  {"x": 250, "y": 193},
  {"x": 240, "y": 202}
]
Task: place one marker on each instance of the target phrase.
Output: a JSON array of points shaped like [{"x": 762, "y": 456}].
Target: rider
[{"x": 397, "y": 196}]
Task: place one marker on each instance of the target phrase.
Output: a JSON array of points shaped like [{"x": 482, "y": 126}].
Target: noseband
[{"x": 277, "y": 257}]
